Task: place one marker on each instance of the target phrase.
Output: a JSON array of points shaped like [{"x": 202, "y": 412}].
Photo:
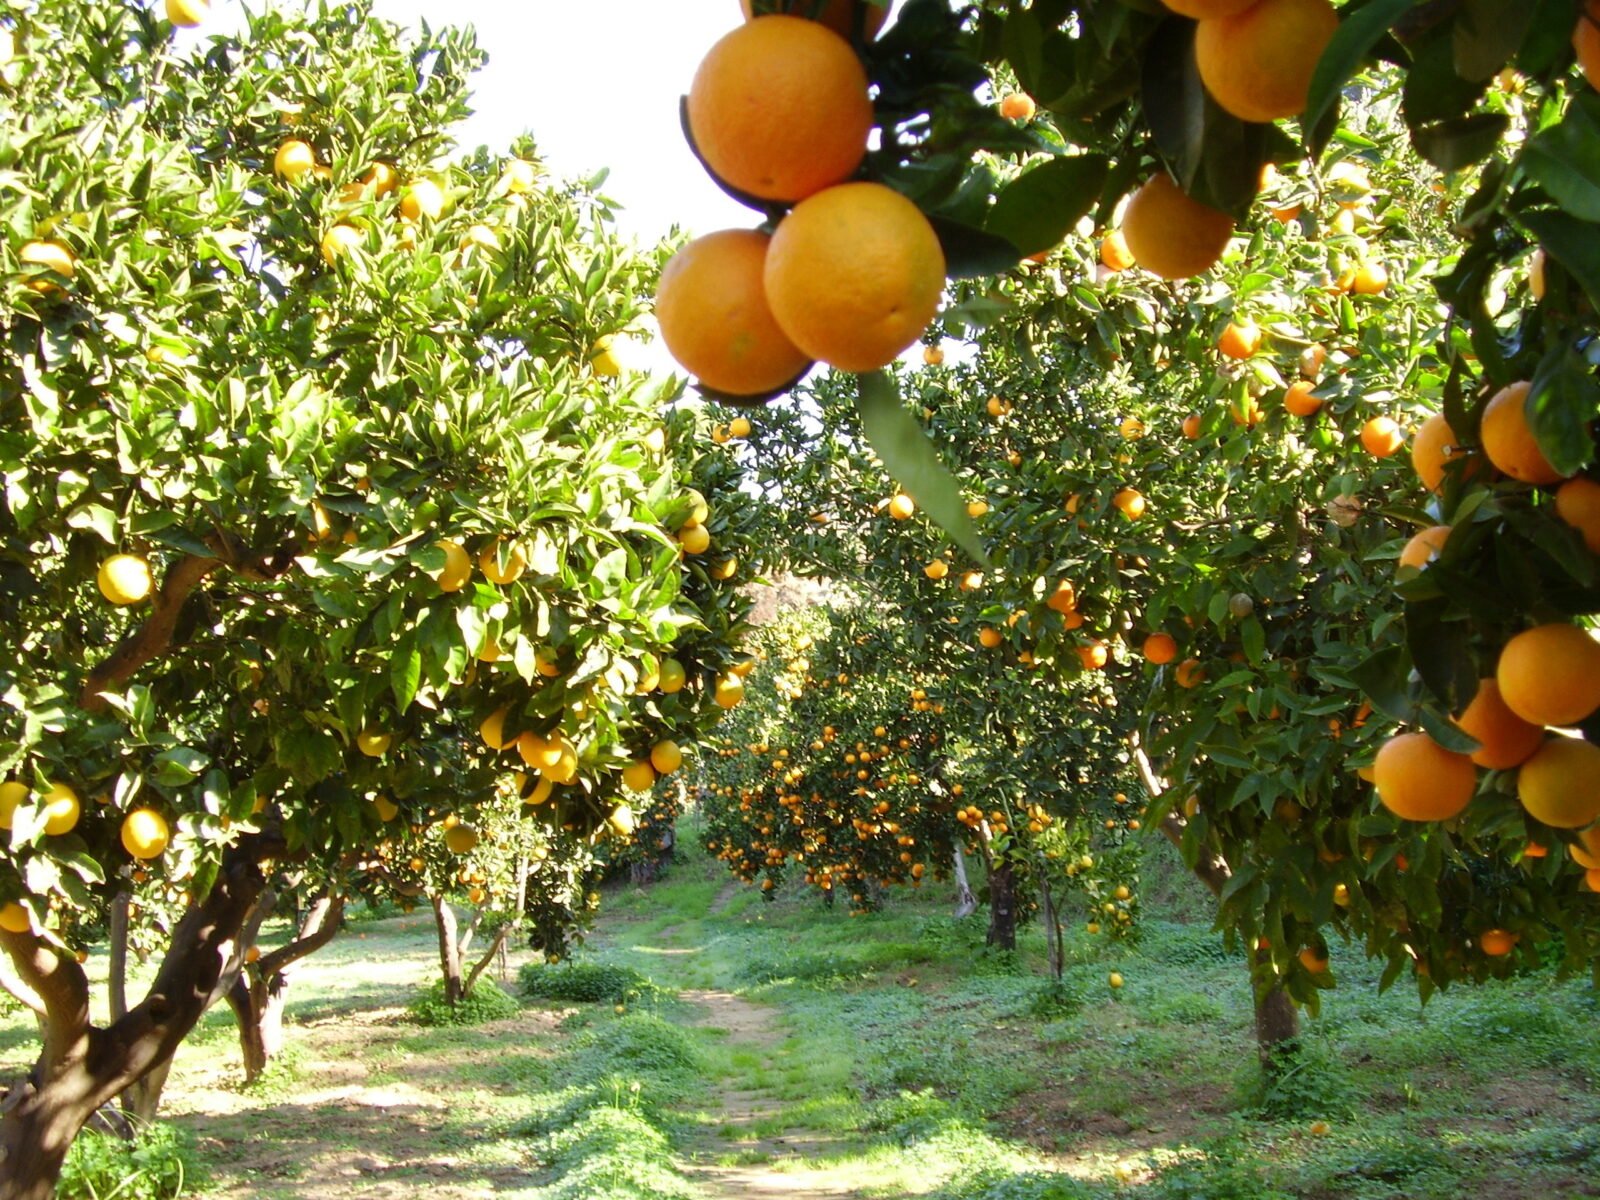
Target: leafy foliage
[
  {"x": 485, "y": 1002},
  {"x": 156, "y": 1164}
]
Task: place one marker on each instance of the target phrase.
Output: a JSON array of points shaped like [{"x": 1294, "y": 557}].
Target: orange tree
[{"x": 308, "y": 473}]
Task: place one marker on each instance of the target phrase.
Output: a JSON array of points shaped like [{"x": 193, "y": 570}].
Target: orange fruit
[
  {"x": 1497, "y": 942},
  {"x": 854, "y": 274},
  {"x": 1536, "y": 262},
  {"x": 1506, "y": 739},
  {"x": 1370, "y": 279},
  {"x": 1160, "y": 648},
  {"x": 1130, "y": 503},
  {"x": 933, "y": 356},
  {"x": 989, "y": 637},
  {"x": 1419, "y": 780},
  {"x": 1093, "y": 656},
  {"x": 1257, "y": 63},
  {"x": 1298, "y": 400},
  {"x": 1171, "y": 235},
  {"x": 1586, "y": 43},
  {"x": 1240, "y": 341},
  {"x": 712, "y": 307},
  {"x": 1382, "y": 437},
  {"x": 1064, "y": 599},
  {"x": 937, "y": 569},
  {"x": 1313, "y": 961},
  {"x": 1432, "y": 446},
  {"x": 1247, "y": 412},
  {"x": 1018, "y": 106},
  {"x": 1191, "y": 426},
  {"x": 901, "y": 506},
  {"x": 1508, "y": 440},
  {"x": 1560, "y": 783},
  {"x": 779, "y": 108},
  {"x": 1424, "y": 547},
  {"x": 1114, "y": 252},
  {"x": 1189, "y": 673},
  {"x": 1550, "y": 674},
  {"x": 1586, "y": 851},
  {"x": 1578, "y": 504},
  {"x": 839, "y": 15}
]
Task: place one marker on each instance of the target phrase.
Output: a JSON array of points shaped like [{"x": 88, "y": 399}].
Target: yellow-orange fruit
[
  {"x": 1240, "y": 341},
  {"x": 1298, "y": 400},
  {"x": 1586, "y": 43},
  {"x": 1171, "y": 235},
  {"x": 1257, "y": 64},
  {"x": 1206, "y": 10},
  {"x": 1507, "y": 740},
  {"x": 712, "y": 308},
  {"x": 779, "y": 108},
  {"x": 1424, "y": 547},
  {"x": 1018, "y": 106},
  {"x": 1560, "y": 783},
  {"x": 854, "y": 275},
  {"x": 1550, "y": 674},
  {"x": 1508, "y": 440},
  {"x": 1497, "y": 942},
  {"x": 1382, "y": 437},
  {"x": 1114, "y": 252},
  {"x": 1189, "y": 673},
  {"x": 1191, "y": 426},
  {"x": 1160, "y": 648},
  {"x": 1578, "y": 504},
  {"x": 1432, "y": 446},
  {"x": 1419, "y": 780}
]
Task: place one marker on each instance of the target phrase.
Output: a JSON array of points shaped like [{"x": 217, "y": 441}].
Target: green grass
[{"x": 895, "y": 1050}]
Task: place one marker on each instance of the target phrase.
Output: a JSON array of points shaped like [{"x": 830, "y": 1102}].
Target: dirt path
[{"x": 767, "y": 1164}]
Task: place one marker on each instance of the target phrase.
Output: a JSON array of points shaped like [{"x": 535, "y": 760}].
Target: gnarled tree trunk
[
  {"x": 82, "y": 1066},
  {"x": 1003, "y": 905}
]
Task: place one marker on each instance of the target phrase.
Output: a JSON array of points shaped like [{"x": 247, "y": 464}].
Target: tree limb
[{"x": 153, "y": 638}]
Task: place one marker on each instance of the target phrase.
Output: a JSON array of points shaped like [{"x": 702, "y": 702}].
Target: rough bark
[
  {"x": 260, "y": 992},
  {"x": 82, "y": 1066},
  {"x": 1056, "y": 950},
  {"x": 1003, "y": 906},
  {"x": 1277, "y": 1024},
  {"x": 444, "y": 920},
  {"x": 966, "y": 902}
]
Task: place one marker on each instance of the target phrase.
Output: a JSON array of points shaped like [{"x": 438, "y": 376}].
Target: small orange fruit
[
  {"x": 901, "y": 506},
  {"x": 1382, "y": 437},
  {"x": 1578, "y": 504},
  {"x": 1191, "y": 426},
  {"x": 1114, "y": 252},
  {"x": 1419, "y": 780},
  {"x": 1240, "y": 341},
  {"x": 1586, "y": 43},
  {"x": 780, "y": 109},
  {"x": 1171, "y": 235},
  {"x": 1160, "y": 648},
  {"x": 1094, "y": 655},
  {"x": 1508, "y": 440},
  {"x": 1506, "y": 739},
  {"x": 1550, "y": 674},
  {"x": 1497, "y": 942},
  {"x": 1189, "y": 673},
  {"x": 1424, "y": 547},
  {"x": 712, "y": 307},
  {"x": 1560, "y": 783},
  {"x": 1370, "y": 279},
  {"x": 1018, "y": 106},
  {"x": 1130, "y": 503},
  {"x": 1298, "y": 400},
  {"x": 1433, "y": 446}
]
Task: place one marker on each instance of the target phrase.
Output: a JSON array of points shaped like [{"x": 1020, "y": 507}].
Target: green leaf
[
  {"x": 911, "y": 459},
  {"x": 1454, "y": 144},
  {"x": 972, "y": 253},
  {"x": 1562, "y": 402},
  {"x": 405, "y": 671},
  {"x": 178, "y": 766},
  {"x": 1036, "y": 210},
  {"x": 1487, "y": 33},
  {"x": 1565, "y": 158},
  {"x": 1354, "y": 40},
  {"x": 1382, "y": 679},
  {"x": 1573, "y": 243}
]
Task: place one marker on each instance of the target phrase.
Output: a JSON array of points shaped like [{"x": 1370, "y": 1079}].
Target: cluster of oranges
[{"x": 780, "y": 112}]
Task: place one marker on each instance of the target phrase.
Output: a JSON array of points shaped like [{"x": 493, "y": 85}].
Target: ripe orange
[
  {"x": 1578, "y": 504},
  {"x": 712, "y": 306},
  {"x": 933, "y": 356},
  {"x": 901, "y": 506},
  {"x": 1093, "y": 656},
  {"x": 779, "y": 108},
  {"x": 1419, "y": 780},
  {"x": 937, "y": 569},
  {"x": 1160, "y": 648},
  {"x": 1509, "y": 442},
  {"x": 1130, "y": 503},
  {"x": 1424, "y": 547},
  {"x": 1497, "y": 942},
  {"x": 989, "y": 637},
  {"x": 1189, "y": 673},
  {"x": 1191, "y": 426},
  {"x": 1560, "y": 783},
  {"x": 1064, "y": 599},
  {"x": 838, "y": 16},
  {"x": 1247, "y": 412},
  {"x": 1114, "y": 252},
  {"x": 1298, "y": 400},
  {"x": 1586, "y": 851},
  {"x": 854, "y": 274},
  {"x": 1370, "y": 279},
  {"x": 1507, "y": 740},
  {"x": 1018, "y": 106},
  {"x": 1586, "y": 43},
  {"x": 1240, "y": 341},
  {"x": 1382, "y": 437},
  {"x": 1313, "y": 961},
  {"x": 1257, "y": 64},
  {"x": 1171, "y": 235},
  {"x": 1432, "y": 446},
  {"x": 1550, "y": 674}
]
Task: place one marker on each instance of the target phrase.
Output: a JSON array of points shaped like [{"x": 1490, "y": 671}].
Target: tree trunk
[
  {"x": 1003, "y": 906},
  {"x": 966, "y": 902},
  {"x": 260, "y": 993},
  {"x": 1277, "y": 1024},
  {"x": 1052, "y": 926},
  {"x": 81, "y": 1066},
  {"x": 444, "y": 919}
]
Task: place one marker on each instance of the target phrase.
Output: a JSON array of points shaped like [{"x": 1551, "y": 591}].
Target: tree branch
[
  {"x": 61, "y": 986},
  {"x": 153, "y": 638}
]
